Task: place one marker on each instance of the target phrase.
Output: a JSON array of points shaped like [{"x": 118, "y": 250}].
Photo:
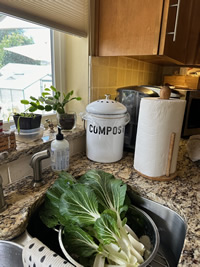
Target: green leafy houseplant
[
  {"x": 56, "y": 102},
  {"x": 27, "y": 121},
  {"x": 49, "y": 102}
]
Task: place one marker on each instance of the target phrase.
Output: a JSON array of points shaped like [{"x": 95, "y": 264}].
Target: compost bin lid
[{"x": 106, "y": 107}]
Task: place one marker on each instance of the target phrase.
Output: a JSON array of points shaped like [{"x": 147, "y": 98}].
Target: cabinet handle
[{"x": 176, "y": 20}]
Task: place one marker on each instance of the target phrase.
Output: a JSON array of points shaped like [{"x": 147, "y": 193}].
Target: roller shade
[{"x": 66, "y": 15}]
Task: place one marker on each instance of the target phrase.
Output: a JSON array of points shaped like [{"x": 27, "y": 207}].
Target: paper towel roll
[{"x": 158, "y": 119}]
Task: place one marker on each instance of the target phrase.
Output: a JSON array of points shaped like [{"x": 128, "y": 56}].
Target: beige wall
[
  {"x": 110, "y": 73},
  {"x": 77, "y": 72},
  {"x": 106, "y": 74}
]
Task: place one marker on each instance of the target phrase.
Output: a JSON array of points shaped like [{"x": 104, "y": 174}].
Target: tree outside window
[{"x": 25, "y": 62}]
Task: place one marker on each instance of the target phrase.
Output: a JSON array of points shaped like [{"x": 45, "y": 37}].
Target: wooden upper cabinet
[
  {"x": 175, "y": 29},
  {"x": 145, "y": 28},
  {"x": 128, "y": 27},
  {"x": 193, "y": 47}
]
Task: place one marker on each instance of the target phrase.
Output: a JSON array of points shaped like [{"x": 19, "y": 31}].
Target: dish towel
[
  {"x": 36, "y": 254},
  {"x": 193, "y": 147}
]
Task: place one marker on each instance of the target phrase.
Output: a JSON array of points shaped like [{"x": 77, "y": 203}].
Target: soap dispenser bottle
[{"x": 59, "y": 153}]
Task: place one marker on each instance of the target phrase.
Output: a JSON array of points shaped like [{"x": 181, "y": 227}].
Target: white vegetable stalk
[
  {"x": 115, "y": 250},
  {"x": 117, "y": 260},
  {"x": 137, "y": 255},
  {"x": 123, "y": 265},
  {"x": 126, "y": 253},
  {"x": 99, "y": 261},
  {"x": 130, "y": 231},
  {"x": 137, "y": 245}
]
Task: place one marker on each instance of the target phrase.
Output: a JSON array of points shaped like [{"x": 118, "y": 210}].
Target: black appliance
[
  {"x": 130, "y": 97},
  {"x": 191, "y": 121}
]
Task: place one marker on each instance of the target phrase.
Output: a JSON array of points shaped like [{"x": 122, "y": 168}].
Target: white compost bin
[{"x": 106, "y": 120}]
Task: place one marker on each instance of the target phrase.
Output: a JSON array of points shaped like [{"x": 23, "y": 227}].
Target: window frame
[{"x": 58, "y": 55}]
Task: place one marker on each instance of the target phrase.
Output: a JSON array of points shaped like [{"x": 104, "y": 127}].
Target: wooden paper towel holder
[
  {"x": 163, "y": 178},
  {"x": 165, "y": 94}
]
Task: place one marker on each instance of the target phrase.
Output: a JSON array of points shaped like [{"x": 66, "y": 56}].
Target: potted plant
[
  {"x": 27, "y": 121},
  {"x": 56, "y": 102}
]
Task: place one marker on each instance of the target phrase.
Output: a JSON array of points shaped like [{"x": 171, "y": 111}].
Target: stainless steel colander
[{"x": 141, "y": 223}]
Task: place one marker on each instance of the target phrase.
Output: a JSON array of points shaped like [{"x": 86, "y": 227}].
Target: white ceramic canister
[{"x": 106, "y": 120}]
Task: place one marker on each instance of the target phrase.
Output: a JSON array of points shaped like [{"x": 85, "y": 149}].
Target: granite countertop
[
  {"x": 30, "y": 147},
  {"x": 181, "y": 194}
]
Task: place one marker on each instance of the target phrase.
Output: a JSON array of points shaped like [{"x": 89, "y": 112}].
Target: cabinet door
[
  {"x": 174, "y": 38},
  {"x": 193, "y": 47},
  {"x": 129, "y": 27}
]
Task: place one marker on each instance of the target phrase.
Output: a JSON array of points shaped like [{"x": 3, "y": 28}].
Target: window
[{"x": 25, "y": 62}]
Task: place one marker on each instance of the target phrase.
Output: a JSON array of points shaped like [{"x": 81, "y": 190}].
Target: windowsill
[{"x": 29, "y": 148}]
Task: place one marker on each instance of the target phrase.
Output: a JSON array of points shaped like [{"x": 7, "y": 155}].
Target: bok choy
[{"x": 91, "y": 211}]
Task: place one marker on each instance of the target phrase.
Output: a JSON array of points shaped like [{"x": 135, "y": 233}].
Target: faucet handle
[{"x": 3, "y": 204}]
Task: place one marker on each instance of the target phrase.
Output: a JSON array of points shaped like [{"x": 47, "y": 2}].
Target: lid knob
[
  {"x": 107, "y": 96},
  {"x": 106, "y": 107}
]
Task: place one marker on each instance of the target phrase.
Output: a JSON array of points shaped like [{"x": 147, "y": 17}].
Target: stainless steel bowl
[
  {"x": 10, "y": 254},
  {"x": 142, "y": 224}
]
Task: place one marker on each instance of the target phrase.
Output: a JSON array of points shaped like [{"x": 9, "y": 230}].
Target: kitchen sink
[
  {"x": 172, "y": 229},
  {"x": 171, "y": 226},
  {"x": 10, "y": 254}
]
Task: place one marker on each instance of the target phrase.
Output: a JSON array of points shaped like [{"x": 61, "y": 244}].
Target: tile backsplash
[{"x": 110, "y": 73}]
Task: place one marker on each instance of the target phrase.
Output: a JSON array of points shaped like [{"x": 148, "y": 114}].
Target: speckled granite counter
[
  {"x": 181, "y": 194},
  {"x": 32, "y": 146}
]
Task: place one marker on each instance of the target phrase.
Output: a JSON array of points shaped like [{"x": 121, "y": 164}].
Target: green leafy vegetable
[
  {"x": 107, "y": 229},
  {"x": 90, "y": 211},
  {"x": 50, "y": 214},
  {"x": 80, "y": 205},
  {"x": 110, "y": 191},
  {"x": 80, "y": 240}
]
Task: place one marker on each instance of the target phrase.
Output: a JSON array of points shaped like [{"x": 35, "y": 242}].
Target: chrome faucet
[
  {"x": 36, "y": 164},
  {"x": 3, "y": 204}
]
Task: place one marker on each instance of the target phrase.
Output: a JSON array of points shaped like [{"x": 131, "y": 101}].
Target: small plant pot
[
  {"x": 27, "y": 122},
  {"x": 67, "y": 121}
]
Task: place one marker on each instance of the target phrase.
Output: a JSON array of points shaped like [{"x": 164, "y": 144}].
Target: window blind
[{"x": 65, "y": 15}]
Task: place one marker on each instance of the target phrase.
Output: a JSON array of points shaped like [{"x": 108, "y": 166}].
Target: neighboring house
[
  {"x": 20, "y": 81},
  {"x": 37, "y": 52},
  {"x": 29, "y": 70}
]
